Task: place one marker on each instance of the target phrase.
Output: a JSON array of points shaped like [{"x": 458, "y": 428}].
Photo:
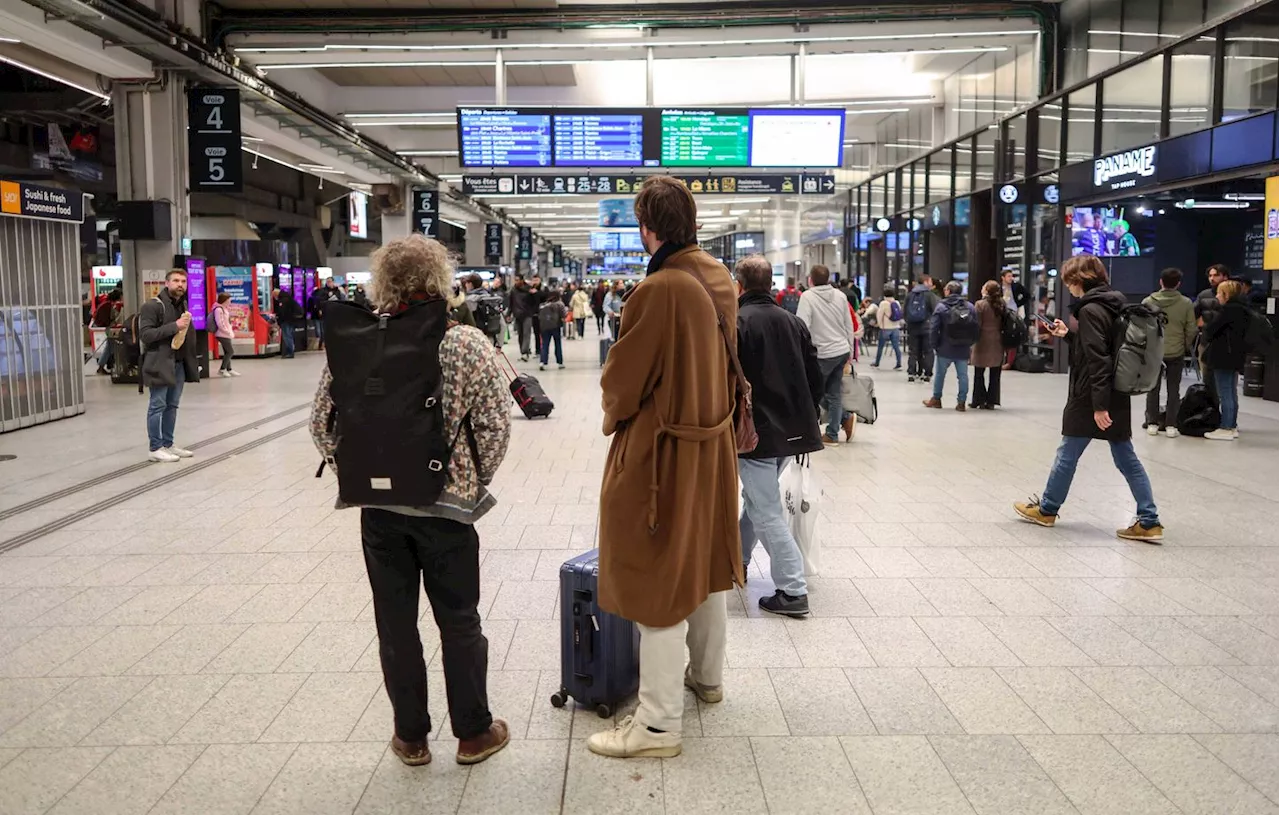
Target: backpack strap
[{"x": 742, "y": 384}]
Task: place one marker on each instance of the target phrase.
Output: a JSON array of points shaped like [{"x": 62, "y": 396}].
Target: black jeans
[
  {"x": 986, "y": 391},
  {"x": 919, "y": 352},
  {"x": 397, "y": 549},
  {"x": 1173, "y": 386},
  {"x": 227, "y": 353}
]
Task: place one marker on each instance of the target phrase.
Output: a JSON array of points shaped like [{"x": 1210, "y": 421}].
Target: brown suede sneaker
[
  {"x": 474, "y": 751},
  {"x": 848, "y": 426},
  {"x": 932, "y": 403},
  {"x": 413, "y": 753},
  {"x": 1030, "y": 511},
  {"x": 1143, "y": 534},
  {"x": 960, "y": 407}
]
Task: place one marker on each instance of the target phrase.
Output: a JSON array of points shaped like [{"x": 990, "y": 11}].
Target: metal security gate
[{"x": 40, "y": 334}]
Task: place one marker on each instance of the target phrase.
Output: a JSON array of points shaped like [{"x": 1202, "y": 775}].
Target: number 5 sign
[{"x": 213, "y": 140}]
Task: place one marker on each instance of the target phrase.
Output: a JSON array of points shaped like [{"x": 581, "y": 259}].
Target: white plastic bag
[{"x": 800, "y": 501}]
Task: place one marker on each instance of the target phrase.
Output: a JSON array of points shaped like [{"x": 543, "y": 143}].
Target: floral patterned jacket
[{"x": 474, "y": 387}]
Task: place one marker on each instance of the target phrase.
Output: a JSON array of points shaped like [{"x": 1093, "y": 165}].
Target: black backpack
[
  {"x": 1138, "y": 340},
  {"x": 487, "y": 314},
  {"x": 791, "y": 300},
  {"x": 1013, "y": 331},
  {"x": 392, "y": 448},
  {"x": 1258, "y": 334},
  {"x": 1197, "y": 414},
  {"x": 960, "y": 326}
]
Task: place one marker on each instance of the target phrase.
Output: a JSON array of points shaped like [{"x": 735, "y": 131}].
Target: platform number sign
[
  {"x": 526, "y": 243},
  {"x": 493, "y": 242},
  {"x": 557, "y": 257},
  {"x": 213, "y": 140},
  {"x": 426, "y": 213}
]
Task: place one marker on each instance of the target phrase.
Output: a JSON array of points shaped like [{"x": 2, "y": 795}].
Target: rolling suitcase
[
  {"x": 599, "y": 652},
  {"x": 528, "y": 393},
  {"x": 605, "y": 345}
]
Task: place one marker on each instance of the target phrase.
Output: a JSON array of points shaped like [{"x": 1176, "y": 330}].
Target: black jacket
[
  {"x": 1225, "y": 337},
  {"x": 524, "y": 301},
  {"x": 157, "y": 325},
  {"x": 1092, "y": 373},
  {"x": 287, "y": 310},
  {"x": 781, "y": 364},
  {"x": 1207, "y": 306}
]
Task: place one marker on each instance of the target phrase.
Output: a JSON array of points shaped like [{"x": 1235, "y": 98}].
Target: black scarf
[{"x": 665, "y": 251}]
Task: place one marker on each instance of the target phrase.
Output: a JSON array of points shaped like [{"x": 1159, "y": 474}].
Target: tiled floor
[{"x": 208, "y": 647}]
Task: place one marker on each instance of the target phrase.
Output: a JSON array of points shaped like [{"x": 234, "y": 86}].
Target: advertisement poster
[
  {"x": 197, "y": 295},
  {"x": 1271, "y": 229},
  {"x": 237, "y": 281}
]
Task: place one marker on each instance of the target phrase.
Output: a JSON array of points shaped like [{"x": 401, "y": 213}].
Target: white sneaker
[
  {"x": 1235, "y": 432},
  {"x": 1221, "y": 434},
  {"x": 1172, "y": 432},
  {"x": 1152, "y": 430},
  {"x": 233, "y": 373},
  {"x": 179, "y": 452},
  {"x": 162, "y": 455},
  {"x": 224, "y": 374},
  {"x": 630, "y": 739}
]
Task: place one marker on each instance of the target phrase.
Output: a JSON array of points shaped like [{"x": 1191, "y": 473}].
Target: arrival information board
[{"x": 705, "y": 138}]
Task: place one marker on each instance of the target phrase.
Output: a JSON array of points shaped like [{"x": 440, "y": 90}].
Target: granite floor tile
[
  {"x": 260, "y": 649},
  {"x": 1145, "y": 702},
  {"x": 1263, "y": 680},
  {"x": 117, "y": 651},
  {"x": 396, "y": 789},
  {"x": 128, "y": 781},
  {"x": 19, "y": 697},
  {"x": 1015, "y": 597},
  {"x": 1235, "y": 708},
  {"x": 1238, "y": 638},
  {"x": 527, "y": 776},
  {"x": 325, "y": 708},
  {"x": 332, "y": 646},
  {"x": 954, "y": 597},
  {"x": 965, "y": 641},
  {"x": 982, "y": 702},
  {"x": 322, "y": 779},
  {"x": 999, "y": 777},
  {"x": 49, "y": 649},
  {"x": 760, "y": 643},
  {"x": 596, "y": 784},
  {"x": 1105, "y": 642},
  {"x": 903, "y": 774},
  {"x": 895, "y": 597},
  {"x": 71, "y": 715},
  {"x": 819, "y": 702},
  {"x": 900, "y": 701},
  {"x": 189, "y": 650},
  {"x": 1174, "y": 641},
  {"x": 751, "y": 707},
  {"x": 158, "y": 711},
  {"x": 227, "y": 779},
  {"x": 1063, "y": 701},
  {"x": 1035, "y": 642},
  {"x": 805, "y": 775},
  {"x": 1095, "y": 777},
  {"x": 1190, "y": 776},
  {"x": 896, "y": 642},
  {"x": 1255, "y": 757},
  {"x": 35, "y": 779},
  {"x": 828, "y": 643},
  {"x": 241, "y": 710},
  {"x": 713, "y": 776}
]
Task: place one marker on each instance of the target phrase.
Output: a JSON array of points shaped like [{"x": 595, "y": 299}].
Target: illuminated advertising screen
[
  {"x": 796, "y": 138},
  {"x": 1110, "y": 232},
  {"x": 197, "y": 294},
  {"x": 358, "y": 215}
]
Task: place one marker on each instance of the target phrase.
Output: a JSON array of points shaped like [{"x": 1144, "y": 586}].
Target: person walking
[
  {"x": 953, "y": 330},
  {"x": 222, "y": 329},
  {"x": 987, "y": 357},
  {"x": 524, "y": 307},
  {"x": 1207, "y": 308},
  {"x": 789, "y": 297},
  {"x": 486, "y": 308},
  {"x": 1226, "y": 346},
  {"x": 921, "y": 303},
  {"x": 825, "y": 312},
  {"x": 168, "y": 362},
  {"x": 669, "y": 539},
  {"x": 430, "y": 545},
  {"x": 1094, "y": 409},
  {"x": 580, "y": 305},
  {"x": 551, "y": 316},
  {"x": 889, "y": 322},
  {"x": 779, "y": 360},
  {"x": 598, "y": 294},
  {"x": 1179, "y": 337}
]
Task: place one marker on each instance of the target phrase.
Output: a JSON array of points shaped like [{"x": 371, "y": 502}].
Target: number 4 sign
[{"x": 213, "y": 140}]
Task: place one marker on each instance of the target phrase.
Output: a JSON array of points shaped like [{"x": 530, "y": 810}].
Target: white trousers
[{"x": 662, "y": 662}]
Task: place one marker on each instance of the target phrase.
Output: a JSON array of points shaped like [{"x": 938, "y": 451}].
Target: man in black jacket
[
  {"x": 1207, "y": 309},
  {"x": 775, "y": 348},
  {"x": 164, "y": 368},
  {"x": 288, "y": 315},
  {"x": 524, "y": 306},
  {"x": 1095, "y": 409}
]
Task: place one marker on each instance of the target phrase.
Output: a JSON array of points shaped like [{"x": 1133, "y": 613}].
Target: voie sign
[{"x": 1121, "y": 171}]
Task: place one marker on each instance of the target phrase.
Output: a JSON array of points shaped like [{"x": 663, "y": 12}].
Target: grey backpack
[{"x": 1139, "y": 348}]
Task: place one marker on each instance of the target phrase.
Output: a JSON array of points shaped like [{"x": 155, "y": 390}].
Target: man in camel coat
[{"x": 669, "y": 546}]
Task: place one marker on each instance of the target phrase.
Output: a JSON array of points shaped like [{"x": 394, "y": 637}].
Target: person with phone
[{"x": 1094, "y": 409}]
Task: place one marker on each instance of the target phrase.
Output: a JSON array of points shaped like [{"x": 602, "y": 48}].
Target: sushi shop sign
[{"x": 23, "y": 200}]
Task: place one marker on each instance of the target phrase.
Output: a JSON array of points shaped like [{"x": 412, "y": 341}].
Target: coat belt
[{"x": 683, "y": 432}]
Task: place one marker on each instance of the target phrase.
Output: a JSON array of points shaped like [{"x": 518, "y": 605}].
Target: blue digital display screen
[
  {"x": 504, "y": 138},
  {"x": 599, "y": 140},
  {"x": 616, "y": 242}
]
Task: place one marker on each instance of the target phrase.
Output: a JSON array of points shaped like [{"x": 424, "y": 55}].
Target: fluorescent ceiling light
[
  {"x": 313, "y": 169},
  {"x": 24, "y": 66},
  {"x": 251, "y": 138},
  {"x": 427, "y": 152},
  {"x": 406, "y": 123},
  {"x": 877, "y": 110},
  {"x": 509, "y": 46},
  {"x": 394, "y": 64},
  {"x": 422, "y": 115},
  {"x": 10, "y": 40}
]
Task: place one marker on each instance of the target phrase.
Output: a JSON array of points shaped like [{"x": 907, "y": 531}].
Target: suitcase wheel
[
  {"x": 559, "y": 698},
  {"x": 604, "y": 711}
]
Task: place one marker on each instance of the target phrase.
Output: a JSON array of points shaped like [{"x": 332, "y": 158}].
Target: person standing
[
  {"x": 953, "y": 330},
  {"x": 789, "y": 297},
  {"x": 779, "y": 360},
  {"x": 1226, "y": 346},
  {"x": 921, "y": 303},
  {"x": 987, "y": 357},
  {"x": 825, "y": 312},
  {"x": 524, "y": 307},
  {"x": 224, "y": 332},
  {"x": 669, "y": 545},
  {"x": 1207, "y": 308},
  {"x": 108, "y": 315},
  {"x": 580, "y": 305},
  {"x": 168, "y": 362},
  {"x": 288, "y": 315},
  {"x": 433, "y": 545},
  {"x": 1179, "y": 336},
  {"x": 598, "y": 294},
  {"x": 613, "y": 307},
  {"x": 550, "y": 322},
  {"x": 486, "y": 308},
  {"x": 889, "y": 323},
  {"x": 1094, "y": 409}
]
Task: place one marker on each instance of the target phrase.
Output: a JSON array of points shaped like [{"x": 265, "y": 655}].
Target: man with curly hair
[{"x": 436, "y": 544}]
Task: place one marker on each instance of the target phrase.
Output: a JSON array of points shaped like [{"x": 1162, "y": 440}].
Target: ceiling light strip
[{"x": 24, "y": 66}]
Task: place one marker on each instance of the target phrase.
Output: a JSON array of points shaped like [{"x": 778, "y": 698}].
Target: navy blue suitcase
[{"x": 599, "y": 652}]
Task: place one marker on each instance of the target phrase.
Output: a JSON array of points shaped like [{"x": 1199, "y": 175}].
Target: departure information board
[
  {"x": 504, "y": 138},
  {"x": 714, "y": 138},
  {"x": 705, "y": 138},
  {"x": 599, "y": 140}
]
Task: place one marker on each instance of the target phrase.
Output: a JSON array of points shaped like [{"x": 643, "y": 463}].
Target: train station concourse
[{"x": 330, "y": 329}]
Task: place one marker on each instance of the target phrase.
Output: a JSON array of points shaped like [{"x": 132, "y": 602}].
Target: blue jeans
[
  {"x": 940, "y": 374},
  {"x": 1126, "y": 461},
  {"x": 162, "y": 410},
  {"x": 762, "y": 519},
  {"x": 1228, "y": 399},
  {"x": 547, "y": 338},
  {"x": 832, "y": 370},
  {"x": 892, "y": 335},
  {"x": 286, "y": 339}
]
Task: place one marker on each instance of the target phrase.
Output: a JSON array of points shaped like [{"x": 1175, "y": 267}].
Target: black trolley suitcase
[
  {"x": 528, "y": 392},
  {"x": 599, "y": 652}
]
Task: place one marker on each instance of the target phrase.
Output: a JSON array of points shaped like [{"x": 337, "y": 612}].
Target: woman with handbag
[{"x": 987, "y": 356}]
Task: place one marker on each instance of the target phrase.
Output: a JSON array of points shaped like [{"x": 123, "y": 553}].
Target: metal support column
[
  {"x": 648, "y": 76},
  {"x": 797, "y": 74},
  {"x": 499, "y": 78}
]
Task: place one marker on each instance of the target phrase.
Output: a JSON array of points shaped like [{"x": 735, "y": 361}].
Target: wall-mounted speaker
[{"x": 145, "y": 220}]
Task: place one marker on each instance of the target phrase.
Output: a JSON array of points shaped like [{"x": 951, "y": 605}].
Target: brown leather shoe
[
  {"x": 932, "y": 403},
  {"x": 474, "y": 751},
  {"x": 960, "y": 408},
  {"x": 848, "y": 426},
  {"x": 413, "y": 753}
]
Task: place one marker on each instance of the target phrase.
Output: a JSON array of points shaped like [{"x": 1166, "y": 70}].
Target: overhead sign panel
[
  {"x": 213, "y": 140},
  {"x": 714, "y": 184},
  {"x": 24, "y": 200},
  {"x": 426, "y": 213},
  {"x": 493, "y": 240},
  {"x": 525, "y": 243},
  {"x": 504, "y": 138}
]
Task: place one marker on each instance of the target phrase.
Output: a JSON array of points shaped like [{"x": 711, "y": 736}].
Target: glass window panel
[
  {"x": 1105, "y": 23},
  {"x": 1049, "y": 139},
  {"x": 968, "y": 103},
  {"x": 1131, "y": 106},
  {"x": 1016, "y": 133},
  {"x": 1191, "y": 86},
  {"x": 984, "y": 163},
  {"x": 940, "y": 175},
  {"x": 1250, "y": 59},
  {"x": 1074, "y": 21},
  {"x": 964, "y": 167},
  {"x": 1141, "y": 26},
  {"x": 1080, "y": 106},
  {"x": 1177, "y": 17}
]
